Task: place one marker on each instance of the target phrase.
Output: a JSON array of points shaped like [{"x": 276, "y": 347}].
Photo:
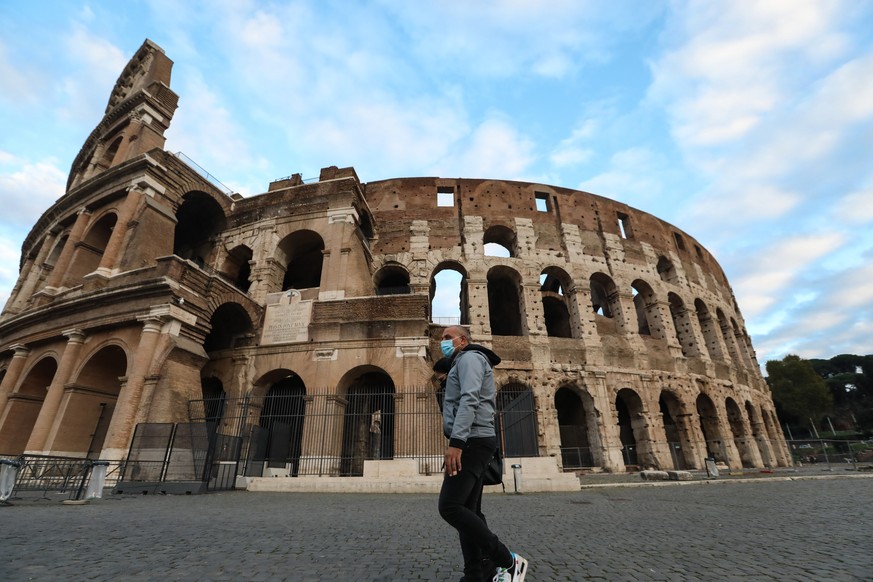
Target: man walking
[{"x": 468, "y": 422}]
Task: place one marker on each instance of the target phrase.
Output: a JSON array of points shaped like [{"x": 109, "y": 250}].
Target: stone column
[
  {"x": 109, "y": 261},
  {"x": 122, "y": 424},
  {"x": 76, "y": 233},
  {"x": 49, "y": 410}
]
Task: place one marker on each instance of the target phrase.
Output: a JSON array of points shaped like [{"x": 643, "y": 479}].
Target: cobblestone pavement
[{"x": 798, "y": 530}]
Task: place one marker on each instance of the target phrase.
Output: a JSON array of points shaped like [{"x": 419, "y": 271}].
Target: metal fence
[
  {"x": 295, "y": 434},
  {"x": 831, "y": 453},
  {"x": 40, "y": 475}
]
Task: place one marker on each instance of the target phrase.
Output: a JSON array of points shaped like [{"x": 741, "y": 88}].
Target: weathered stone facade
[{"x": 145, "y": 282}]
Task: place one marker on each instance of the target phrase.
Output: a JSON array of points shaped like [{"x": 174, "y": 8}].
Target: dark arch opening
[
  {"x": 573, "y": 428},
  {"x": 229, "y": 323},
  {"x": 556, "y": 309},
  {"x": 302, "y": 253},
  {"x": 517, "y": 421},
  {"x": 237, "y": 267},
  {"x": 279, "y": 440},
  {"x": 392, "y": 280},
  {"x": 505, "y": 302},
  {"x": 24, "y": 404},
  {"x": 628, "y": 403},
  {"x": 368, "y": 428},
  {"x": 500, "y": 237},
  {"x": 199, "y": 219}
]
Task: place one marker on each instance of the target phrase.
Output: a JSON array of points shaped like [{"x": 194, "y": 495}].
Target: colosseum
[{"x": 188, "y": 334}]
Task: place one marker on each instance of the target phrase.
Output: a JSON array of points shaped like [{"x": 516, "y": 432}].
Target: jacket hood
[{"x": 493, "y": 358}]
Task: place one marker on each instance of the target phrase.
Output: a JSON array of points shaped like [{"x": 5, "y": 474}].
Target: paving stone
[{"x": 775, "y": 529}]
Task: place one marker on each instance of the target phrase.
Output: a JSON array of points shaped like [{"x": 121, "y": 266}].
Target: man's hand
[{"x": 453, "y": 461}]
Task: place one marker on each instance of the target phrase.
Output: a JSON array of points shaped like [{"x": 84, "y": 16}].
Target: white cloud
[
  {"x": 573, "y": 150},
  {"x": 737, "y": 62},
  {"x": 633, "y": 176},
  {"x": 10, "y": 254},
  {"x": 495, "y": 149},
  {"x": 19, "y": 85},
  {"x": 856, "y": 207},
  {"x": 28, "y": 189},
  {"x": 502, "y": 38},
  {"x": 94, "y": 65},
  {"x": 768, "y": 275}
]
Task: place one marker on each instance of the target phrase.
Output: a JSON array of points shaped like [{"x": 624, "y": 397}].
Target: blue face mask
[{"x": 447, "y": 348}]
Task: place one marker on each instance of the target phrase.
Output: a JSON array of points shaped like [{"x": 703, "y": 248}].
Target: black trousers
[{"x": 461, "y": 506}]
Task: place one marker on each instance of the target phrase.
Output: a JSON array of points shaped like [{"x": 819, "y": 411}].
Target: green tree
[{"x": 798, "y": 390}]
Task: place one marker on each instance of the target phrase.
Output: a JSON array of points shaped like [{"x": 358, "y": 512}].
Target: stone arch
[
  {"x": 666, "y": 270},
  {"x": 711, "y": 428},
  {"x": 742, "y": 343},
  {"x": 214, "y": 399},
  {"x": 682, "y": 325},
  {"x": 24, "y": 404},
  {"x": 517, "y": 420},
  {"x": 392, "y": 279},
  {"x": 88, "y": 253},
  {"x": 89, "y": 402},
  {"x": 229, "y": 323},
  {"x": 199, "y": 220},
  {"x": 604, "y": 295},
  {"x": 505, "y": 302},
  {"x": 502, "y": 236},
  {"x": 759, "y": 433},
  {"x": 368, "y": 425},
  {"x": 558, "y": 303},
  {"x": 442, "y": 293},
  {"x": 709, "y": 328},
  {"x": 301, "y": 253},
  {"x": 646, "y": 308},
  {"x": 277, "y": 441},
  {"x": 727, "y": 336},
  {"x": 109, "y": 151},
  {"x": 739, "y": 433},
  {"x": 577, "y": 426},
  {"x": 237, "y": 267},
  {"x": 676, "y": 429},
  {"x": 630, "y": 419}
]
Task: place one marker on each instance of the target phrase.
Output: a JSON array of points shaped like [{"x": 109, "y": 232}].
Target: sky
[{"x": 749, "y": 125}]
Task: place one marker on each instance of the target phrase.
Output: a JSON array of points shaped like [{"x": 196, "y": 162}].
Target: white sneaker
[{"x": 514, "y": 574}]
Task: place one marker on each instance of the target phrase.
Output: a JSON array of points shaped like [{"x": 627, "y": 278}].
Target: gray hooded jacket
[{"x": 471, "y": 398}]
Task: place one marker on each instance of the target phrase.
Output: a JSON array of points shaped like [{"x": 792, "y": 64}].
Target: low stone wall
[{"x": 536, "y": 474}]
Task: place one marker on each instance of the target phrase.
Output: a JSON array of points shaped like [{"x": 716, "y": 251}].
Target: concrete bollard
[{"x": 516, "y": 476}]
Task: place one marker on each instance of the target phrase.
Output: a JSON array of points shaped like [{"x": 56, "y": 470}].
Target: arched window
[
  {"x": 302, "y": 253},
  {"x": 500, "y": 241},
  {"x": 505, "y": 303},
  {"x": 646, "y": 308},
  {"x": 229, "y": 323},
  {"x": 682, "y": 323},
  {"x": 89, "y": 251},
  {"x": 237, "y": 267},
  {"x": 604, "y": 295},
  {"x": 666, "y": 270},
  {"x": 449, "y": 303},
  {"x": 709, "y": 328},
  {"x": 199, "y": 219},
  {"x": 557, "y": 305},
  {"x": 392, "y": 280}
]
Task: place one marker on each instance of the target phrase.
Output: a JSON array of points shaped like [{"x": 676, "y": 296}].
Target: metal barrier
[
  {"x": 831, "y": 453},
  {"x": 43, "y": 474}
]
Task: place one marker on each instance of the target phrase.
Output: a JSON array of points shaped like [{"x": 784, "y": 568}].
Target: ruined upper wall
[{"x": 396, "y": 203}]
